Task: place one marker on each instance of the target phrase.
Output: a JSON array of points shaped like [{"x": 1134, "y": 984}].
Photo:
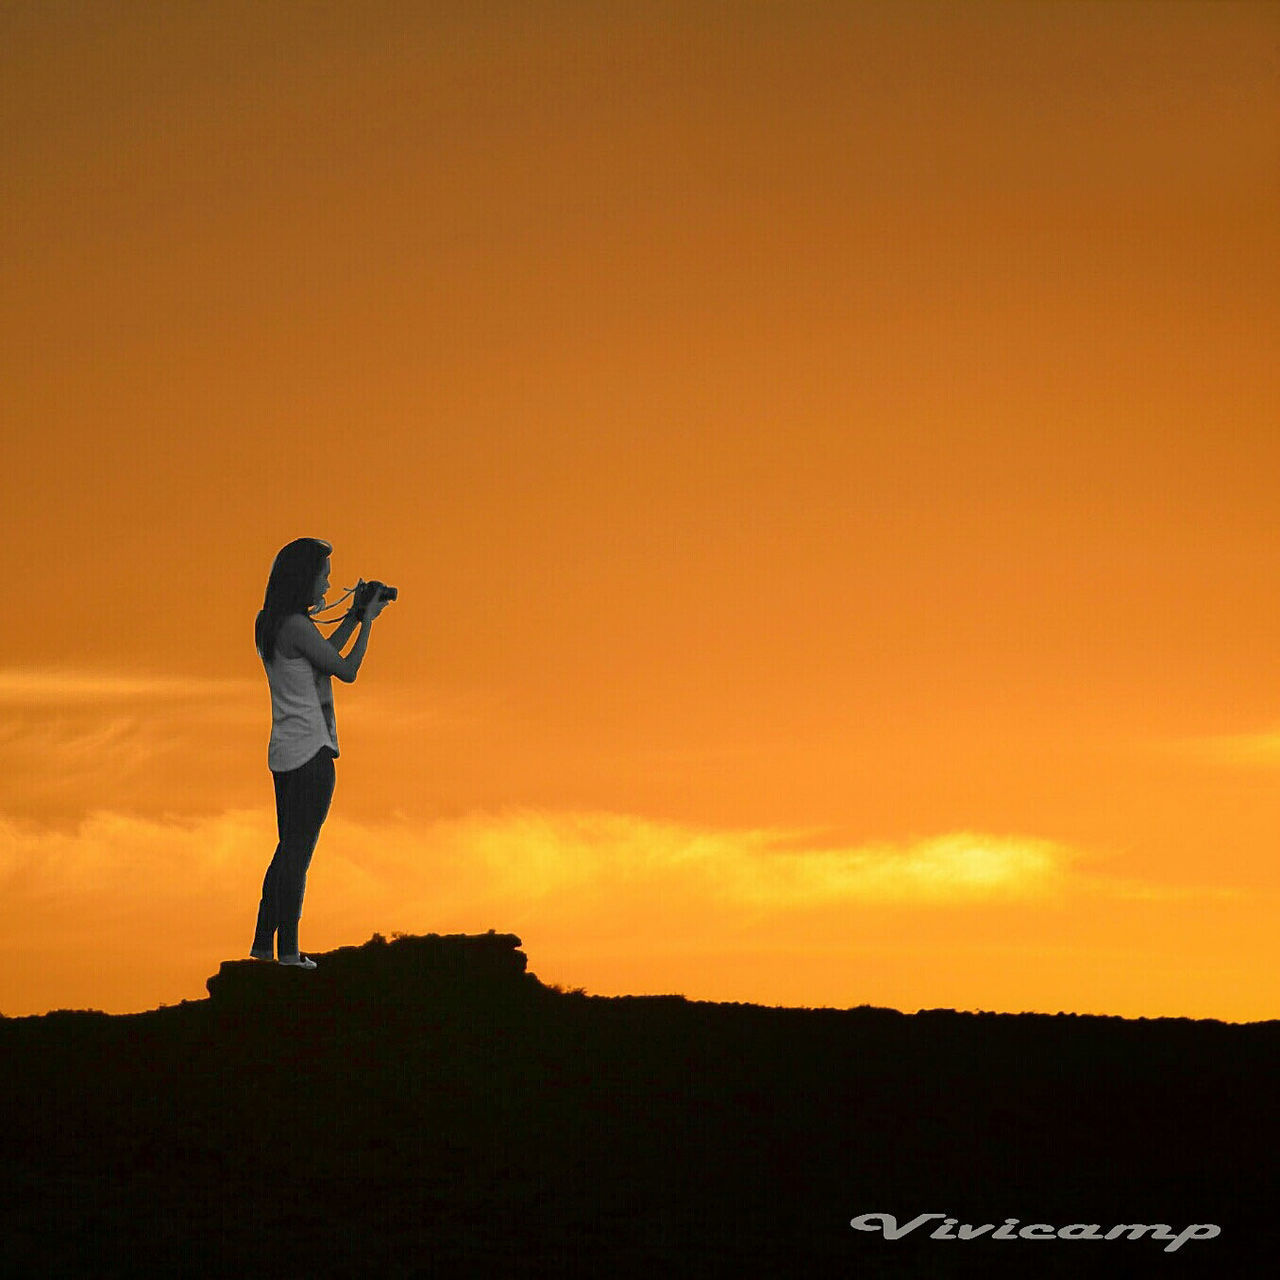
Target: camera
[{"x": 367, "y": 592}]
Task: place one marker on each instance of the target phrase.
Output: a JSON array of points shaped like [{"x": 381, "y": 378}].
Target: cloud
[
  {"x": 590, "y": 861},
  {"x": 1250, "y": 750},
  {"x": 65, "y": 758},
  {"x": 125, "y": 858},
  {"x": 48, "y": 687},
  {"x": 77, "y": 741},
  {"x": 240, "y": 701},
  {"x": 170, "y": 898},
  {"x": 533, "y": 853}
]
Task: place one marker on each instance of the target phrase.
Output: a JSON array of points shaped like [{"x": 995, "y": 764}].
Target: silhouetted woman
[{"x": 300, "y": 664}]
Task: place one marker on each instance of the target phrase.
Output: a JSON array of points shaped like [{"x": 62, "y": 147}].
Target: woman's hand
[{"x": 374, "y": 607}]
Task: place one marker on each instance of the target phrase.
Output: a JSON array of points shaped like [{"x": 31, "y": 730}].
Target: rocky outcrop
[{"x": 407, "y": 969}]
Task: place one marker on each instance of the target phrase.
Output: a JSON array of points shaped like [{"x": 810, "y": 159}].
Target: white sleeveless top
[{"x": 301, "y": 713}]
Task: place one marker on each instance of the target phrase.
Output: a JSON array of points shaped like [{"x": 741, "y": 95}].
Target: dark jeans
[{"x": 302, "y": 803}]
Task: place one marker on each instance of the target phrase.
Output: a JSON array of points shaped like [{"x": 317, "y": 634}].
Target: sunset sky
[{"x": 828, "y": 455}]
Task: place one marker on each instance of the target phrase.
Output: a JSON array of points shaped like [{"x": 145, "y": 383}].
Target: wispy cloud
[
  {"x": 74, "y": 741},
  {"x": 179, "y": 895},
  {"x": 1251, "y": 750},
  {"x": 78, "y": 689},
  {"x": 590, "y": 859},
  {"x": 49, "y": 687},
  {"x": 533, "y": 853}
]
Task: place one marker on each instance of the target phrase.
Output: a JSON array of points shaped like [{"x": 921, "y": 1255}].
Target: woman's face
[{"x": 322, "y": 585}]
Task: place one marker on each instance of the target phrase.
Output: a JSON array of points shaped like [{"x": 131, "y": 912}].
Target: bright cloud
[
  {"x": 523, "y": 856},
  {"x": 541, "y": 854},
  {"x": 154, "y": 897},
  {"x": 586, "y": 863}
]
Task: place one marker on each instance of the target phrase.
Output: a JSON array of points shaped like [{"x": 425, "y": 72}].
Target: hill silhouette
[{"x": 425, "y": 1106}]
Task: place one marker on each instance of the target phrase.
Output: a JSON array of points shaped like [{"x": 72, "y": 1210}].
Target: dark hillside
[{"x": 425, "y": 1106}]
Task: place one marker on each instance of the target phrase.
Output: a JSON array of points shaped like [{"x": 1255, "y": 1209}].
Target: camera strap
[{"x": 314, "y": 614}]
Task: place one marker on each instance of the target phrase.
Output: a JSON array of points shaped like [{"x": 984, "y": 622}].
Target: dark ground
[{"x": 424, "y": 1107}]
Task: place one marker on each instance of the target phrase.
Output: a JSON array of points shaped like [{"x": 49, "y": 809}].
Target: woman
[{"x": 300, "y": 664}]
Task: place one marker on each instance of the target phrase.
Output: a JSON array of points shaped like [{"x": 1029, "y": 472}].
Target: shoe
[
  {"x": 262, "y": 953},
  {"x": 298, "y": 962}
]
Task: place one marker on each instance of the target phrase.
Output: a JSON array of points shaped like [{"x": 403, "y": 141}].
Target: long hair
[{"x": 293, "y": 577}]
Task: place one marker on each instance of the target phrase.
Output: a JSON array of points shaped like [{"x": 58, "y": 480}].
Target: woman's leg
[
  {"x": 264, "y": 935},
  {"x": 303, "y": 796},
  {"x": 307, "y": 817}
]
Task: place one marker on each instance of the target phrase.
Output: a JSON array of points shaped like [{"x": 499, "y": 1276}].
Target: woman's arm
[
  {"x": 310, "y": 644},
  {"x": 339, "y": 635}
]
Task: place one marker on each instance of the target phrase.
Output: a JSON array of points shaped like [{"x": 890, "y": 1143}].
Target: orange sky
[{"x": 827, "y": 454}]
